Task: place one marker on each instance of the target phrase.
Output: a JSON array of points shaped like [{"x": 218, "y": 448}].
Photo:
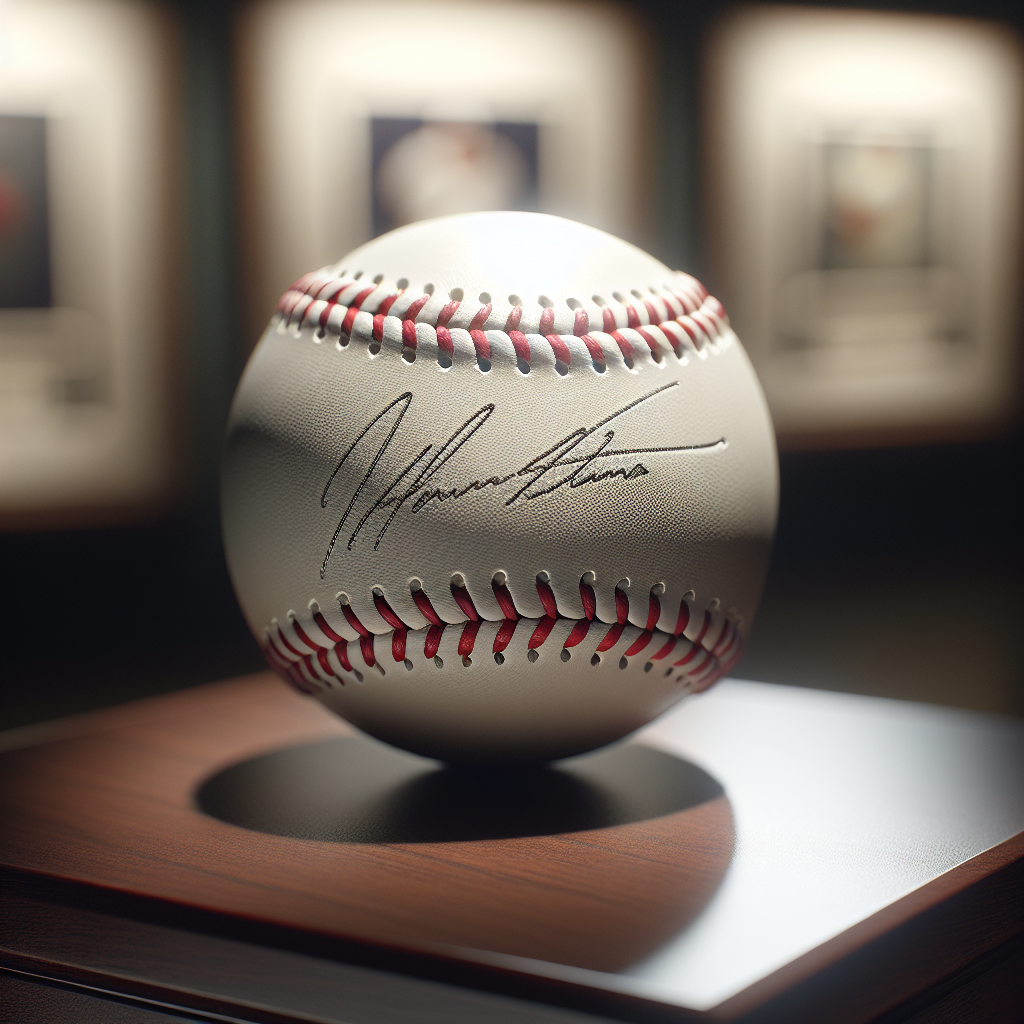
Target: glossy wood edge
[
  {"x": 964, "y": 889},
  {"x": 894, "y": 948}
]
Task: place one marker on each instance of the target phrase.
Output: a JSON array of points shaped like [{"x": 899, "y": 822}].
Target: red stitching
[
  {"x": 433, "y": 641},
  {"x": 547, "y": 599},
  {"x": 465, "y": 602},
  {"x": 353, "y": 620},
  {"x": 408, "y": 334},
  {"x": 560, "y": 348},
  {"x": 504, "y": 599},
  {"x": 478, "y": 321},
  {"x": 387, "y": 613},
  {"x": 589, "y": 600},
  {"x": 309, "y": 672},
  {"x": 468, "y": 638},
  {"x": 366, "y": 649},
  {"x": 611, "y": 639},
  {"x": 444, "y": 341},
  {"x": 414, "y": 308},
  {"x": 520, "y": 344},
  {"x": 398, "y": 639},
  {"x": 595, "y": 350},
  {"x": 504, "y": 635},
  {"x": 653, "y": 612},
  {"x": 341, "y": 650},
  {"x": 540, "y": 634},
  {"x": 481, "y": 344},
  {"x": 621, "y": 607},
  {"x": 639, "y": 643},
  {"x": 447, "y": 313},
  {"x": 687, "y": 308},
  {"x": 426, "y": 608},
  {"x": 578, "y": 634}
]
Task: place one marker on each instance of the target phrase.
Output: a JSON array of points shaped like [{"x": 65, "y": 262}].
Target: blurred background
[{"x": 848, "y": 181}]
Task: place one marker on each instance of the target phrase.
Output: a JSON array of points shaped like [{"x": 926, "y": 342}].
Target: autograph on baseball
[{"x": 574, "y": 461}]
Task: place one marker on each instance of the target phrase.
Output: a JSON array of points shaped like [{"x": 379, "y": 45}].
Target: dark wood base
[{"x": 236, "y": 851}]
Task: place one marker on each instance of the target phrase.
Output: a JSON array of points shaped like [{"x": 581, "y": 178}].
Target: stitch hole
[
  {"x": 499, "y": 658},
  {"x": 524, "y": 366},
  {"x": 598, "y": 367},
  {"x": 358, "y": 675},
  {"x": 514, "y": 300},
  {"x": 499, "y": 578},
  {"x": 545, "y": 302},
  {"x": 532, "y": 656},
  {"x": 668, "y": 672},
  {"x": 374, "y": 347},
  {"x": 483, "y": 364},
  {"x": 623, "y": 663},
  {"x": 415, "y": 583},
  {"x": 467, "y": 661},
  {"x": 402, "y": 283},
  {"x": 358, "y": 274},
  {"x": 484, "y": 298},
  {"x": 598, "y": 301},
  {"x": 320, "y": 334},
  {"x": 428, "y": 289},
  {"x": 437, "y": 661},
  {"x": 565, "y": 655},
  {"x": 343, "y": 340},
  {"x": 636, "y": 294},
  {"x": 408, "y": 354},
  {"x": 444, "y": 360},
  {"x": 574, "y": 304},
  {"x": 408, "y": 665},
  {"x": 649, "y": 666},
  {"x": 456, "y": 294},
  {"x": 560, "y": 368},
  {"x": 595, "y": 660},
  {"x": 690, "y": 595},
  {"x": 618, "y": 297},
  {"x": 378, "y": 279}
]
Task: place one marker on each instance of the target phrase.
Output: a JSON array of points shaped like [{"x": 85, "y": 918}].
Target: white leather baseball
[{"x": 499, "y": 486}]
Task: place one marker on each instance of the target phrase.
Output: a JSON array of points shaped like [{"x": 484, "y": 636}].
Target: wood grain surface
[{"x": 117, "y": 803}]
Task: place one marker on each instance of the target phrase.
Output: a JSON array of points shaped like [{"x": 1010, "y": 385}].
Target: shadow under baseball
[
  {"x": 596, "y": 862},
  {"x": 355, "y": 790}
]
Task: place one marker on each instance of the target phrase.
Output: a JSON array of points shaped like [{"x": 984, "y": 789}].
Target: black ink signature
[{"x": 415, "y": 484}]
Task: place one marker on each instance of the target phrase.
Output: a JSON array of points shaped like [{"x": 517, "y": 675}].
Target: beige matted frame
[
  {"x": 314, "y": 72},
  {"x": 102, "y": 74},
  {"x": 852, "y": 347}
]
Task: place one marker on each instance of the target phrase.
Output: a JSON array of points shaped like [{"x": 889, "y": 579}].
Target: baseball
[{"x": 499, "y": 487}]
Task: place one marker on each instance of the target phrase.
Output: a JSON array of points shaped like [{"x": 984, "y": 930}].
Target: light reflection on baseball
[{"x": 499, "y": 487}]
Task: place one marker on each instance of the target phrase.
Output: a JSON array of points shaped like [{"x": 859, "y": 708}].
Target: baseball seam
[
  {"x": 689, "y": 321},
  {"x": 310, "y": 665}
]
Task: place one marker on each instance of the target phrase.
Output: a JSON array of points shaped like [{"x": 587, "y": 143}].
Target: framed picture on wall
[
  {"x": 344, "y": 138},
  {"x": 87, "y": 295},
  {"x": 864, "y": 171}
]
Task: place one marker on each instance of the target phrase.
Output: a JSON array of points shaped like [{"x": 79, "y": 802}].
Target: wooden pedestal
[{"x": 235, "y": 852}]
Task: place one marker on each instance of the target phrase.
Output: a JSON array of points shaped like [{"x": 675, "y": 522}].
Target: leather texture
[{"x": 528, "y": 423}]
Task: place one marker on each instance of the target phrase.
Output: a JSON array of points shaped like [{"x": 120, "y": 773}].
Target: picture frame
[
  {"x": 317, "y": 79},
  {"x": 90, "y": 304},
  {"x": 863, "y": 174}
]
